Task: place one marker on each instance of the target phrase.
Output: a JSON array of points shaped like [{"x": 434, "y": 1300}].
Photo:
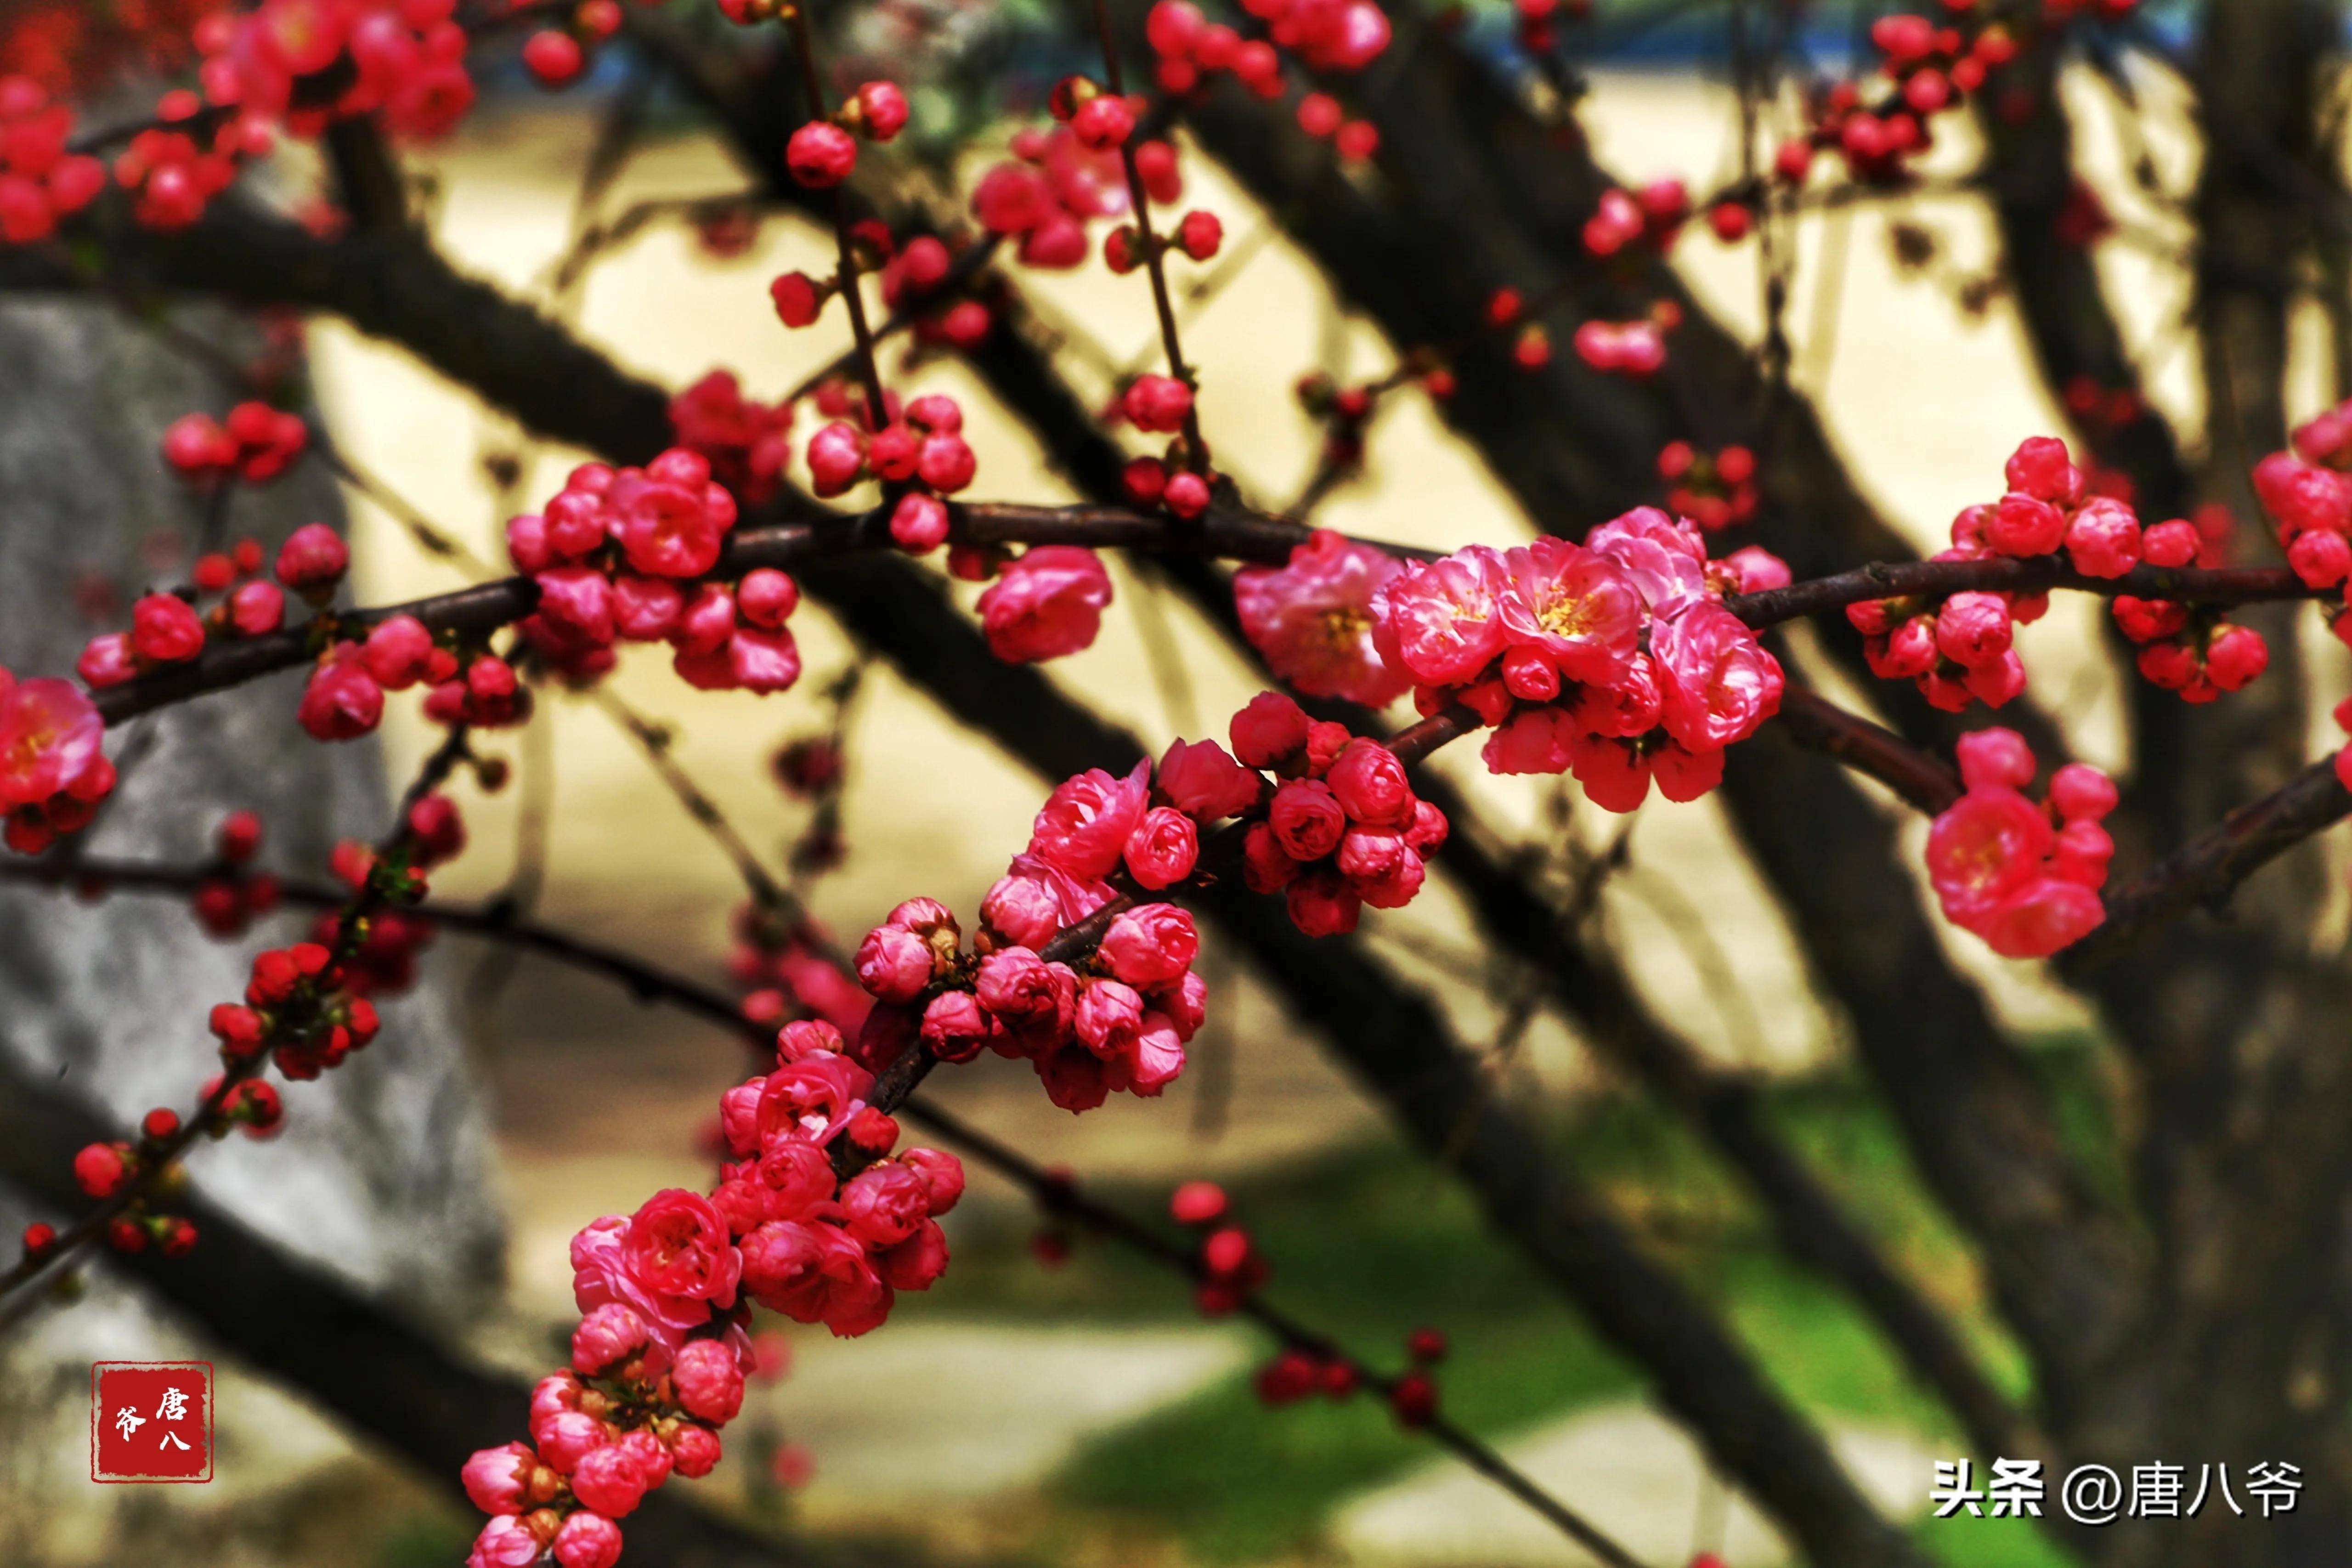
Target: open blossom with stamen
[
  {"x": 49, "y": 738},
  {"x": 1577, "y": 607},
  {"x": 1999, "y": 868},
  {"x": 1312, "y": 619},
  {"x": 1664, "y": 556},
  {"x": 1440, "y": 621},
  {"x": 1614, "y": 660}
]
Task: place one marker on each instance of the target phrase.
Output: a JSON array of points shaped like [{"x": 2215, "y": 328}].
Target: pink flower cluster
[
  {"x": 660, "y": 1356},
  {"x": 257, "y": 443},
  {"x": 1931, "y": 69},
  {"x": 1341, "y": 827},
  {"x": 747, "y": 444},
  {"x": 1116, "y": 1021},
  {"x": 2308, "y": 491},
  {"x": 1311, "y": 619},
  {"x": 615, "y": 555},
  {"x": 1046, "y": 603},
  {"x": 2001, "y": 868},
  {"x": 41, "y": 181},
  {"x": 1056, "y": 184},
  {"x": 1715, "y": 490},
  {"x": 1614, "y": 659},
  {"x": 52, "y": 772},
  {"x": 1330, "y": 36},
  {"x": 812, "y": 1250},
  {"x": 311, "y": 62},
  {"x": 1647, "y": 220},
  {"x": 921, "y": 447},
  {"x": 1958, "y": 647}
]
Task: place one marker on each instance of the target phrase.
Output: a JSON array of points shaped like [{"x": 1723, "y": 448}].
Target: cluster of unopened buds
[
  {"x": 104, "y": 1170},
  {"x": 300, "y": 64},
  {"x": 166, "y": 629},
  {"x": 557, "y": 55},
  {"x": 1229, "y": 1270},
  {"x": 1321, "y": 116},
  {"x": 1338, "y": 37},
  {"x": 302, "y": 1007},
  {"x": 822, "y": 153},
  {"x": 2022, "y": 875},
  {"x": 1715, "y": 490},
  {"x": 617, "y": 555},
  {"x": 921, "y": 446},
  {"x": 2307, "y": 490},
  {"x": 1635, "y": 225},
  {"x": 41, "y": 181},
  {"x": 172, "y": 178},
  {"x": 1299, "y": 1371},
  {"x": 255, "y": 444},
  {"x": 1932, "y": 69},
  {"x": 308, "y": 62},
  {"x": 1115, "y": 1021},
  {"x": 1538, "y": 22},
  {"x": 1341, "y": 827},
  {"x": 1058, "y": 180},
  {"x": 660, "y": 1357},
  {"x": 1160, "y": 406},
  {"x": 234, "y": 895},
  {"x": 1198, "y": 235},
  {"x": 1958, "y": 647},
  {"x": 1635, "y": 348},
  {"x": 303, "y": 1010},
  {"x": 915, "y": 279},
  {"x": 786, "y": 964}
]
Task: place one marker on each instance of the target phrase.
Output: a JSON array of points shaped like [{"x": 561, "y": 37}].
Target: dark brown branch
[
  {"x": 367, "y": 175},
  {"x": 1058, "y": 1195},
  {"x": 1814, "y": 721},
  {"x": 2207, "y": 869},
  {"x": 1245, "y": 536},
  {"x": 1898, "y": 579}
]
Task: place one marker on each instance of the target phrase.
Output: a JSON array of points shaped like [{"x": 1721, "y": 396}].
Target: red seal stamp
[{"x": 151, "y": 1421}]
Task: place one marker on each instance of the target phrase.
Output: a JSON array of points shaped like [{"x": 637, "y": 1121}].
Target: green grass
[{"x": 1372, "y": 1243}]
